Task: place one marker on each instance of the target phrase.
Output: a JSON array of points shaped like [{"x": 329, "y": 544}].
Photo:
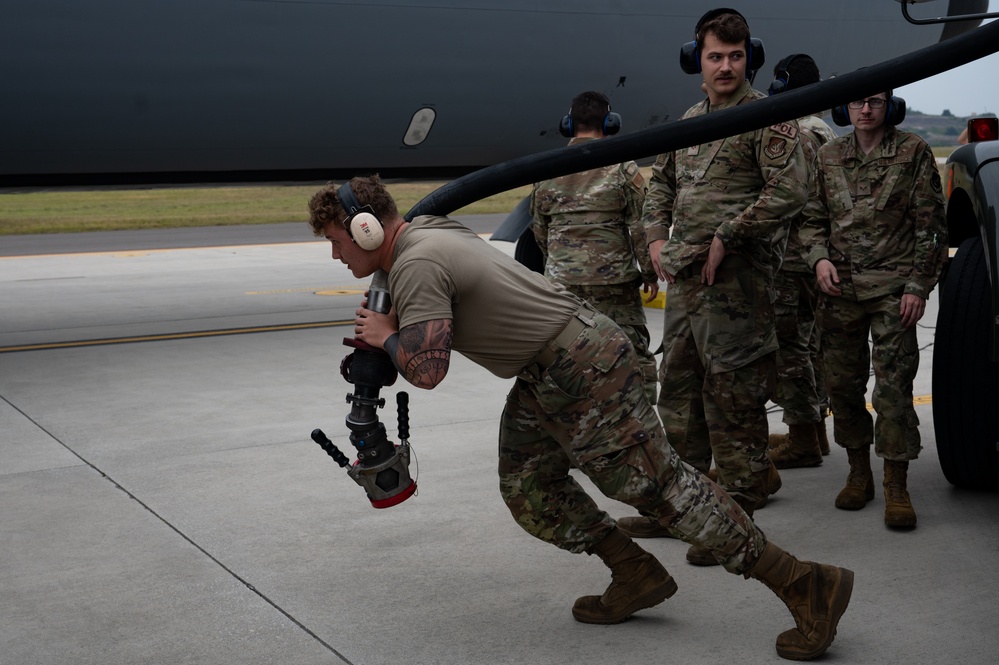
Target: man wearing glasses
[{"x": 876, "y": 237}]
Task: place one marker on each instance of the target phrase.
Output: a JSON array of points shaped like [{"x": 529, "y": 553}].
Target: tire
[
  {"x": 528, "y": 253},
  {"x": 965, "y": 381}
]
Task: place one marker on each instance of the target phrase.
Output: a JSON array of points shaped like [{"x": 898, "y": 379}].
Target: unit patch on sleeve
[{"x": 776, "y": 147}]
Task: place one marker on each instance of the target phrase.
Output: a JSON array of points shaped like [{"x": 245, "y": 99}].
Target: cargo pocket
[
  {"x": 706, "y": 517},
  {"x": 634, "y": 475},
  {"x": 740, "y": 384}
]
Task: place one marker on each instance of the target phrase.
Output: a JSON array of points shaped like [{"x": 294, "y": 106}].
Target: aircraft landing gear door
[{"x": 419, "y": 126}]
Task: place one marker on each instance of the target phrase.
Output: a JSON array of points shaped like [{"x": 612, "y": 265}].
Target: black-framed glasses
[{"x": 873, "y": 102}]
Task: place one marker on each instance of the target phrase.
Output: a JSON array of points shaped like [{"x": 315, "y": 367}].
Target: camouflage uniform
[
  {"x": 588, "y": 226},
  {"x": 800, "y": 391},
  {"x": 719, "y": 341},
  {"x": 586, "y": 408},
  {"x": 613, "y": 435},
  {"x": 879, "y": 218}
]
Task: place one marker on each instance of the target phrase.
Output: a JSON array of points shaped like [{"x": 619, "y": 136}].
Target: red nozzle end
[
  {"x": 397, "y": 499},
  {"x": 358, "y": 344}
]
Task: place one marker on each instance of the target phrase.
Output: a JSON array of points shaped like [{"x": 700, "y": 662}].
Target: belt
[{"x": 546, "y": 357}]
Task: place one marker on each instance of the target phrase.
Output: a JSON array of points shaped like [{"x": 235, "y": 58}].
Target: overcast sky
[{"x": 967, "y": 90}]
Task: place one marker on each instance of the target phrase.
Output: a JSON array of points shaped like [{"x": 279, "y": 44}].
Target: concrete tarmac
[{"x": 161, "y": 500}]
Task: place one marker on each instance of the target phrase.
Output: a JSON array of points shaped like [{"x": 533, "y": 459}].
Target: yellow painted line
[
  {"x": 917, "y": 400},
  {"x": 328, "y": 291},
  {"x": 659, "y": 302},
  {"x": 341, "y": 292},
  {"x": 172, "y": 336}
]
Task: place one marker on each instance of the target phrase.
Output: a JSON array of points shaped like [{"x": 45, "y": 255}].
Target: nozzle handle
[
  {"x": 402, "y": 402},
  {"x": 319, "y": 437}
]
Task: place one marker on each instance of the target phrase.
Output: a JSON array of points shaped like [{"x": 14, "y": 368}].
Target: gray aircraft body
[{"x": 148, "y": 91}]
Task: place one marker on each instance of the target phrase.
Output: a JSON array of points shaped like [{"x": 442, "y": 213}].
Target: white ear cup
[{"x": 366, "y": 231}]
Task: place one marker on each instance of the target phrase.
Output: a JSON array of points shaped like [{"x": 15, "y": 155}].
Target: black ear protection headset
[
  {"x": 690, "y": 53},
  {"x": 611, "y": 125},
  {"x": 894, "y": 112},
  {"x": 361, "y": 224},
  {"x": 781, "y": 77}
]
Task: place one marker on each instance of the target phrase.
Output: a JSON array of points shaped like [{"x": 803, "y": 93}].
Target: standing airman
[
  {"x": 876, "y": 238},
  {"x": 712, "y": 216},
  {"x": 589, "y": 227},
  {"x": 799, "y": 385}
]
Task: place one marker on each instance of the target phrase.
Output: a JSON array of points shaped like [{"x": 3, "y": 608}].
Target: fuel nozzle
[{"x": 381, "y": 468}]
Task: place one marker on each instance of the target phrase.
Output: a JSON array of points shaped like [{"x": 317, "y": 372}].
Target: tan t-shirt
[{"x": 502, "y": 312}]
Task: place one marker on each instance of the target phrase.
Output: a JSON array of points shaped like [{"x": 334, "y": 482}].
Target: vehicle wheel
[
  {"x": 528, "y": 253},
  {"x": 965, "y": 381}
]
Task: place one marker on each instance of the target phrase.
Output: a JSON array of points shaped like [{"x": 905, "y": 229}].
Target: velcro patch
[
  {"x": 776, "y": 147},
  {"x": 935, "y": 182},
  {"x": 788, "y": 129}
]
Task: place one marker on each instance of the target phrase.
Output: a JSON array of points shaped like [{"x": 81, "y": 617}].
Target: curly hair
[
  {"x": 728, "y": 28},
  {"x": 325, "y": 205}
]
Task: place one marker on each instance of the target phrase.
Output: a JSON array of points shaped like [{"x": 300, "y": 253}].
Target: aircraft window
[{"x": 419, "y": 126}]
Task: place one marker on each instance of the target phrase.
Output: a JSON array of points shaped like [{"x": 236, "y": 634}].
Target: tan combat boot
[
  {"x": 800, "y": 448},
  {"x": 701, "y": 556},
  {"x": 638, "y": 581},
  {"x": 771, "y": 483},
  {"x": 643, "y": 527},
  {"x": 860, "y": 481},
  {"x": 822, "y": 436},
  {"x": 817, "y": 595},
  {"x": 898, "y": 507}
]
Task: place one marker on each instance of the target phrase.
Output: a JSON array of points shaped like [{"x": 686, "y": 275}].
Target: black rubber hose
[{"x": 811, "y": 99}]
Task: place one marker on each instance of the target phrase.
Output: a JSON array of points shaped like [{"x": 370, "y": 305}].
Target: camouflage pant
[
  {"x": 589, "y": 409},
  {"x": 622, "y": 304},
  {"x": 797, "y": 335},
  {"x": 718, "y": 372},
  {"x": 846, "y": 325}
]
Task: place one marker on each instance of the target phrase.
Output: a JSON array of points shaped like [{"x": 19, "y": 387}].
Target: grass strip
[
  {"x": 123, "y": 209},
  {"x": 71, "y": 211}
]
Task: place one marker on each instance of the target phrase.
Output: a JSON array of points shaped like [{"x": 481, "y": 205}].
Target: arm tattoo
[{"x": 425, "y": 352}]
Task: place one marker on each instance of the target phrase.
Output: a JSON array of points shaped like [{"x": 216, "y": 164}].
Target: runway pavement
[{"x": 161, "y": 500}]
